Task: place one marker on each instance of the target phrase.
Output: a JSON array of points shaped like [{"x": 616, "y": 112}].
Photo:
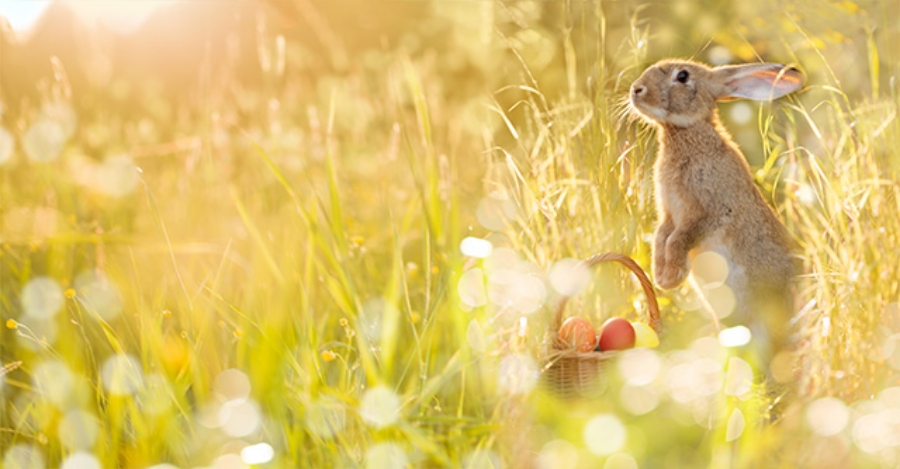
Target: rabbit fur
[{"x": 705, "y": 194}]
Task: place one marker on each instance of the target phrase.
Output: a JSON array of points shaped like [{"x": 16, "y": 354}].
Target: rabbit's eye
[{"x": 682, "y": 76}]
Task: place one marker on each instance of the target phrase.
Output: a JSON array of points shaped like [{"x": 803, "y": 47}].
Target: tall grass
[{"x": 296, "y": 279}]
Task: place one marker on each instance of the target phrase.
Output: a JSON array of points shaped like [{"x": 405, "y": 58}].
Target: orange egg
[
  {"x": 578, "y": 333},
  {"x": 616, "y": 334}
]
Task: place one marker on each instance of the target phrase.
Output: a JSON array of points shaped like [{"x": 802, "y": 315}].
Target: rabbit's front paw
[{"x": 671, "y": 275}]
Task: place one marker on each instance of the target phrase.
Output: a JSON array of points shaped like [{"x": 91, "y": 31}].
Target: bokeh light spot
[
  {"x": 23, "y": 456},
  {"x": 639, "y": 366},
  {"x": 741, "y": 113},
  {"x": 721, "y": 298},
  {"x": 482, "y": 459},
  {"x": 827, "y": 416},
  {"x": 78, "y": 430},
  {"x": 736, "y": 424},
  {"x": 518, "y": 373},
  {"x": 121, "y": 374},
  {"x": 557, "y": 453},
  {"x": 471, "y": 288},
  {"x": 6, "y": 146},
  {"x": 476, "y": 247},
  {"x": 232, "y": 386},
  {"x": 739, "y": 378},
  {"x": 620, "y": 461},
  {"x": 380, "y": 407},
  {"x": 475, "y": 336},
  {"x": 495, "y": 212},
  {"x": 117, "y": 176},
  {"x": 259, "y": 453},
  {"x": 569, "y": 276},
  {"x": 54, "y": 380},
  {"x": 709, "y": 268},
  {"x": 42, "y": 298},
  {"x": 718, "y": 55},
  {"x": 735, "y": 336},
  {"x": 81, "y": 460},
  {"x": 604, "y": 434},
  {"x": 639, "y": 400},
  {"x": 240, "y": 419},
  {"x": 99, "y": 293},
  {"x": 326, "y": 417},
  {"x": 386, "y": 456},
  {"x": 44, "y": 140}
]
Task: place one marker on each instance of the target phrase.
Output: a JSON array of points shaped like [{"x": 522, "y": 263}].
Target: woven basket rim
[{"x": 561, "y": 351}]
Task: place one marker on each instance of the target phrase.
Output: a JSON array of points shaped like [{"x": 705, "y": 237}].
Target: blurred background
[{"x": 295, "y": 233}]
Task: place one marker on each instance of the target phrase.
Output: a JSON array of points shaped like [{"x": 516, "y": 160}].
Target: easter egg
[
  {"x": 616, "y": 334},
  {"x": 578, "y": 333},
  {"x": 645, "y": 336}
]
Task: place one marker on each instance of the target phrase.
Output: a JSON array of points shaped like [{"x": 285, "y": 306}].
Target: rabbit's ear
[{"x": 760, "y": 82}]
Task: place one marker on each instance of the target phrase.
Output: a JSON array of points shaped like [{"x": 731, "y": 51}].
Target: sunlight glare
[
  {"x": 123, "y": 17},
  {"x": 23, "y": 16}
]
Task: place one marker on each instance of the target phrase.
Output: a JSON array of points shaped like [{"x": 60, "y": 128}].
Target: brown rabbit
[{"x": 705, "y": 194}]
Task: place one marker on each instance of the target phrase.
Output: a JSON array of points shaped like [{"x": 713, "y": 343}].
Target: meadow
[{"x": 288, "y": 234}]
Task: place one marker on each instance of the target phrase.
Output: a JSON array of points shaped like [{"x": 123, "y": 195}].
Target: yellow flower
[
  {"x": 328, "y": 355},
  {"x": 70, "y": 293},
  {"x": 11, "y": 324}
]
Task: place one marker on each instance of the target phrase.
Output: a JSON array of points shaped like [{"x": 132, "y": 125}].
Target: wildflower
[{"x": 328, "y": 355}]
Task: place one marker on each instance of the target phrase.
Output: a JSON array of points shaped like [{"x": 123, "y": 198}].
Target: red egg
[
  {"x": 616, "y": 334},
  {"x": 578, "y": 333}
]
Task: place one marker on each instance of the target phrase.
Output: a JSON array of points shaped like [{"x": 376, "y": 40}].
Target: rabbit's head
[{"x": 682, "y": 93}]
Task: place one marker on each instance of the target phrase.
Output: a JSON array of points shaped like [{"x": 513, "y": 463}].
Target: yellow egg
[{"x": 645, "y": 336}]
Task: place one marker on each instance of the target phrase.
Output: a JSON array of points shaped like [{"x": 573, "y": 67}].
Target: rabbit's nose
[{"x": 638, "y": 90}]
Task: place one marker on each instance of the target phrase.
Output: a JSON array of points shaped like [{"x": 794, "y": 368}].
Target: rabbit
[{"x": 706, "y": 198}]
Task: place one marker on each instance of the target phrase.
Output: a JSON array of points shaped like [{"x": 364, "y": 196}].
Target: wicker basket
[{"x": 570, "y": 373}]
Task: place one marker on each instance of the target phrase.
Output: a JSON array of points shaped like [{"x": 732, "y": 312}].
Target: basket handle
[{"x": 646, "y": 285}]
